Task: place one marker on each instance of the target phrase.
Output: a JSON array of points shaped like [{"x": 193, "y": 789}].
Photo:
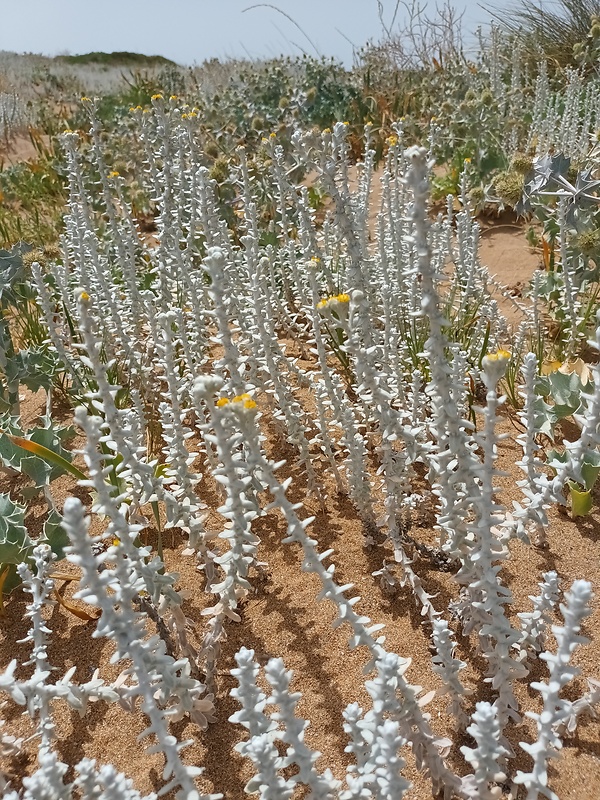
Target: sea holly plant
[
  {"x": 552, "y": 177},
  {"x": 16, "y": 545},
  {"x": 562, "y": 393},
  {"x": 39, "y": 454},
  {"x": 580, "y": 490},
  {"x": 566, "y": 394}
]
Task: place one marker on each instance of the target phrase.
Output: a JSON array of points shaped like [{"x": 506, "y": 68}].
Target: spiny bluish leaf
[
  {"x": 15, "y": 543},
  {"x": 55, "y": 535}
]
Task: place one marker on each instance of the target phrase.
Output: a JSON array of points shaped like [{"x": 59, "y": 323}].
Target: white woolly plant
[
  {"x": 118, "y": 334},
  {"x": 184, "y": 509},
  {"x": 37, "y": 694},
  {"x": 263, "y": 730},
  {"x": 57, "y": 331},
  {"x": 531, "y": 463},
  {"x": 377, "y": 736},
  {"x": 164, "y": 685},
  {"x": 240, "y": 509},
  {"x": 569, "y": 285},
  {"x": 276, "y": 366},
  {"x": 376, "y": 740},
  {"x": 78, "y": 219},
  {"x": 104, "y": 783},
  {"x": 215, "y": 265},
  {"x": 282, "y": 725},
  {"x": 377, "y": 399},
  {"x": 534, "y": 624},
  {"x": 453, "y": 465},
  {"x": 448, "y": 667},
  {"x": 486, "y": 757},
  {"x": 487, "y": 595},
  {"x": 357, "y": 472},
  {"x": 159, "y": 599},
  {"x": 331, "y": 162},
  {"x": 342, "y": 418},
  {"x": 144, "y": 485},
  {"x": 284, "y": 189},
  {"x": 555, "y": 711}
]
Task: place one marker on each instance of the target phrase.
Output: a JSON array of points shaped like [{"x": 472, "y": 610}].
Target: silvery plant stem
[
  {"x": 453, "y": 464},
  {"x": 240, "y": 509},
  {"x": 184, "y": 509},
  {"x": 496, "y": 634},
  {"x": 486, "y": 757}
]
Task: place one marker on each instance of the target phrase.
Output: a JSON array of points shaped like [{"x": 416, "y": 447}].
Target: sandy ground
[
  {"x": 282, "y": 618},
  {"x": 20, "y": 148}
]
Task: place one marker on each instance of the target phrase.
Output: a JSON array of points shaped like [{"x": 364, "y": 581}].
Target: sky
[{"x": 190, "y": 31}]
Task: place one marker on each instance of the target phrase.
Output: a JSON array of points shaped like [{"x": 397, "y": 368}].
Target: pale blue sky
[{"x": 190, "y": 31}]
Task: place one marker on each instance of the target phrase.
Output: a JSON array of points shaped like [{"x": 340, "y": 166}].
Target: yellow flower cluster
[
  {"x": 240, "y": 398},
  {"x": 333, "y": 300},
  {"x": 494, "y": 366},
  {"x": 499, "y": 355}
]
